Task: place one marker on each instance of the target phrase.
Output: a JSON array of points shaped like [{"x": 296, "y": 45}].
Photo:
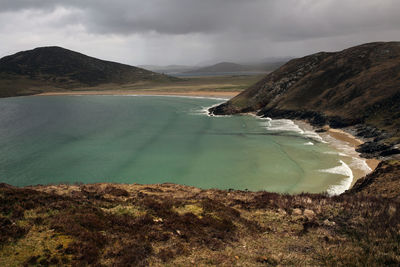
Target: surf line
[
  {"x": 345, "y": 184},
  {"x": 343, "y": 169}
]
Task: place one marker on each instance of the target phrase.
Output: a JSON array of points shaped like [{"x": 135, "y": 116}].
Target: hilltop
[
  {"x": 358, "y": 87},
  {"x": 55, "y": 68}
]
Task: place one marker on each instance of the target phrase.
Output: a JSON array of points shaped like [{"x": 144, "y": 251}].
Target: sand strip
[
  {"x": 343, "y": 141},
  {"x": 222, "y": 94},
  {"x": 353, "y": 142}
]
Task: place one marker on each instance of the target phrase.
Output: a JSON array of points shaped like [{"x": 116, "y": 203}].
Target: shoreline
[
  {"x": 354, "y": 142},
  {"x": 346, "y": 143},
  {"x": 339, "y": 139},
  {"x": 216, "y": 94}
]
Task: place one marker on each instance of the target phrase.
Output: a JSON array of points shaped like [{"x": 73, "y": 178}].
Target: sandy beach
[
  {"x": 221, "y": 94},
  {"x": 347, "y": 143},
  {"x": 352, "y": 141}
]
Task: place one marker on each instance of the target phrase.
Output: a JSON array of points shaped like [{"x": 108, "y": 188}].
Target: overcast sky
[{"x": 194, "y": 31}]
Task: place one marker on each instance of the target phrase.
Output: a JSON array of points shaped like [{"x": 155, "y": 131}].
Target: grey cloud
[
  {"x": 281, "y": 19},
  {"x": 228, "y": 28}
]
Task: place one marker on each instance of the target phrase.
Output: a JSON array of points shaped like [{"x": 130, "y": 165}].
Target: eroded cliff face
[{"x": 357, "y": 86}]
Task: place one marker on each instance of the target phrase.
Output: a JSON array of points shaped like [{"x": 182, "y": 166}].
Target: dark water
[{"x": 150, "y": 139}]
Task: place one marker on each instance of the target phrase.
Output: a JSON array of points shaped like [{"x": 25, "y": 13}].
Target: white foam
[
  {"x": 360, "y": 164},
  {"x": 309, "y": 144},
  {"x": 345, "y": 184},
  {"x": 335, "y": 153},
  {"x": 346, "y": 150},
  {"x": 266, "y": 122},
  {"x": 314, "y": 135},
  {"x": 285, "y": 125},
  {"x": 205, "y": 111},
  {"x": 177, "y": 96}
]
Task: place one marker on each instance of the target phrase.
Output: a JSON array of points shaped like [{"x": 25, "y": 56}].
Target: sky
[{"x": 192, "y": 32}]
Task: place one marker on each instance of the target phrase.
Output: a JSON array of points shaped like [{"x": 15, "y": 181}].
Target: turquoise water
[{"x": 153, "y": 139}]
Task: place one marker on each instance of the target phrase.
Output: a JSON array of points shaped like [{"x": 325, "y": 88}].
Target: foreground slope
[
  {"x": 55, "y": 68},
  {"x": 359, "y": 85},
  {"x": 174, "y": 225}
]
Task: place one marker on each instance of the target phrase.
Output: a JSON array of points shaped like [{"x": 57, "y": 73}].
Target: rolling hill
[{"x": 56, "y": 68}]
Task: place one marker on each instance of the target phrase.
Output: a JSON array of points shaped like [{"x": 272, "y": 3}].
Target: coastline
[
  {"x": 217, "y": 94},
  {"x": 346, "y": 143},
  {"x": 352, "y": 141}
]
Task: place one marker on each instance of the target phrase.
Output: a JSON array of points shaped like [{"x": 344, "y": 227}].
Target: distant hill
[
  {"x": 265, "y": 65},
  {"x": 50, "y": 68},
  {"x": 235, "y": 67},
  {"x": 359, "y": 85},
  {"x": 221, "y": 67},
  {"x": 169, "y": 69}
]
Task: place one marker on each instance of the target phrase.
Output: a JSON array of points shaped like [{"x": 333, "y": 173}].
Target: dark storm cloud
[
  {"x": 282, "y": 19},
  {"x": 167, "y": 17},
  {"x": 222, "y": 27}
]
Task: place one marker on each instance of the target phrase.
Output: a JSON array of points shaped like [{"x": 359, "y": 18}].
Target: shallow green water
[{"x": 151, "y": 139}]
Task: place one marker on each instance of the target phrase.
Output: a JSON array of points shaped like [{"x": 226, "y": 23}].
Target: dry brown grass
[{"x": 173, "y": 225}]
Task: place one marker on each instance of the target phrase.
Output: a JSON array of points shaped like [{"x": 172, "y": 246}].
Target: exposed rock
[
  {"x": 309, "y": 214},
  {"x": 329, "y": 223},
  {"x": 390, "y": 152},
  {"x": 282, "y": 212},
  {"x": 371, "y": 147},
  {"x": 297, "y": 212}
]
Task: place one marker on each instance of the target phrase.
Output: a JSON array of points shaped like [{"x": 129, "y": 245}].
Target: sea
[{"x": 162, "y": 139}]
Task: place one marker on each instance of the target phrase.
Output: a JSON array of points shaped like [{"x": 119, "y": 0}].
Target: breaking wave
[
  {"x": 345, "y": 184},
  {"x": 284, "y": 125}
]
